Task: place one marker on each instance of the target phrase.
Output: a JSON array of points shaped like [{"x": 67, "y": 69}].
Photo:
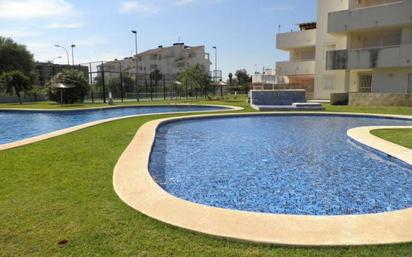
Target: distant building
[
  {"x": 267, "y": 76},
  {"x": 168, "y": 60},
  {"x": 45, "y": 71}
]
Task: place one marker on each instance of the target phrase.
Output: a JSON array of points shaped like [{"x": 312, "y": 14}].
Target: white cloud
[
  {"x": 32, "y": 9},
  {"x": 65, "y": 25},
  {"x": 155, "y": 6},
  {"x": 138, "y": 7}
]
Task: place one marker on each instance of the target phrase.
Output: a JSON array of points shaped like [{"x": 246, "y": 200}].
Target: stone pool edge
[
  {"x": 364, "y": 136},
  {"x": 61, "y": 132},
  {"x": 135, "y": 186}
]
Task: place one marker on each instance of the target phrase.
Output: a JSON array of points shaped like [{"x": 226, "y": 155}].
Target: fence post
[
  {"x": 151, "y": 89},
  {"x": 136, "y": 83},
  {"x": 164, "y": 87},
  {"x": 103, "y": 84},
  {"x": 145, "y": 83},
  {"x": 90, "y": 80},
  {"x": 121, "y": 85},
  {"x": 186, "y": 89}
]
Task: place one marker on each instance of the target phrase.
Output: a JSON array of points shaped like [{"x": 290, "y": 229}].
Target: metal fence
[{"x": 110, "y": 81}]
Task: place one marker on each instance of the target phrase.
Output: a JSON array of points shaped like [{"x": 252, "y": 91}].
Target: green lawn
[
  {"x": 239, "y": 101},
  {"x": 399, "y": 136},
  {"x": 61, "y": 189},
  {"x": 370, "y": 109}
]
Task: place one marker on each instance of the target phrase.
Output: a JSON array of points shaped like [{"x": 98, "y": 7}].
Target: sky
[{"x": 243, "y": 31}]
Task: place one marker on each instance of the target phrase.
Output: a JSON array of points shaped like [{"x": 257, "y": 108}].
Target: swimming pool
[
  {"x": 18, "y": 125},
  {"x": 289, "y": 164}
]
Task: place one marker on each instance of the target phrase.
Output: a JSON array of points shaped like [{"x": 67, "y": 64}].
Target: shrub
[
  {"x": 15, "y": 82},
  {"x": 71, "y": 77}
]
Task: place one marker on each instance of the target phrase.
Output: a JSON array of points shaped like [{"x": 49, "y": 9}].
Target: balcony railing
[
  {"x": 297, "y": 39},
  {"x": 375, "y": 4},
  {"x": 369, "y": 58},
  {"x": 392, "y": 14},
  {"x": 291, "y": 68}
]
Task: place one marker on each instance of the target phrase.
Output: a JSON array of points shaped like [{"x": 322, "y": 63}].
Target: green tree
[
  {"x": 15, "y": 82},
  {"x": 14, "y": 56},
  {"x": 115, "y": 85},
  {"x": 71, "y": 77},
  {"x": 197, "y": 76},
  {"x": 243, "y": 79}
]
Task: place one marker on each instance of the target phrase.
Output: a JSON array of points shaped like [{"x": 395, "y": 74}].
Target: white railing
[{"x": 383, "y": 3}]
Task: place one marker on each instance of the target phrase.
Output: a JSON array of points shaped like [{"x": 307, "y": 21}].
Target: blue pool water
[
  {"x": 303, "y": 165},
  {"x": 20, "y": 125}
]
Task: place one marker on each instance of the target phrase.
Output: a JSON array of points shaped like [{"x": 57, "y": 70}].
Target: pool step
[{"x": 293, "y": 107}]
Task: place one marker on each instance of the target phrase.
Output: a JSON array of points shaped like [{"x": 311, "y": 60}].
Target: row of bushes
[
  {"x": 17, "y": 76},
  {"x": 16, "y": 82}
]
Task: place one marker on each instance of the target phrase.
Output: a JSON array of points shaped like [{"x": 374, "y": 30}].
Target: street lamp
[
  {"x": 136, "y": 64},
  {"x": 67, "y": 53},
  {"x": 54, "y": 59},
  {"x": 216, "y": 78},
  {"x": 73, "y": 46}
]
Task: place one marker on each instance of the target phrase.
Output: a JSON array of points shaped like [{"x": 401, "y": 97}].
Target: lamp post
[
  {"x": 136, "y": 64},
  {"x": 54, "y": 59},
  {"x": 67, "y": 53},
  {"x": 216, "y": 78},
  {"x": 73, "y": 46}
]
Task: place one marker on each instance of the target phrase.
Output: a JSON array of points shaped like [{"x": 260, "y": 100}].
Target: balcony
[
  {"x": 298, "y": 39},
  {"x": 376, "y": 16},
  {"x": 292, "y": 68},
  {"x": 385, "y": 57}
]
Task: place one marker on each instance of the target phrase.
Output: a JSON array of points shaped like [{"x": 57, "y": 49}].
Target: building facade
[
  {"x": 45, "y": 71},
  {"x": 167, "y": 60},
  {"x": 301, "y": 46},
  {"x": 360, "y": 46}
]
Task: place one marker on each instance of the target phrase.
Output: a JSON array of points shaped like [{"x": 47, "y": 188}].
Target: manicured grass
[
  {"x": 398, "y": 136},
  {"x": 370, "y": 109},
  {"x": 61, "y": 189},
  {"x": 229, "y": 100},
  {"x": 241, "y": 101}
]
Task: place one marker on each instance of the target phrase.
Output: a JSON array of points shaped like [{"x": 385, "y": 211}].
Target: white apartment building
[
  {"x": 300, "y": 68},
  {"x": 168, "y": 60},
  {"x": 358, "y": 46}
]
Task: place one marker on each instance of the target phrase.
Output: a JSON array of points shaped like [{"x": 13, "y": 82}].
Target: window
[
  {"x": 410, "y": 83},
  {"x": 365, "y": 83},
  {"x": 153, "y": 67}
]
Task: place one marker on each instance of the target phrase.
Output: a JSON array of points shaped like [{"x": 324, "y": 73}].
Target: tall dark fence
[{"x": 125, "y": 85}]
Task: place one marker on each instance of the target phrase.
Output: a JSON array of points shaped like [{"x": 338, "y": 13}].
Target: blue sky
[{"x": 244, "y": 31}]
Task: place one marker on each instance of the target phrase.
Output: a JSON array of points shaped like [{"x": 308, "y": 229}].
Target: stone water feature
[{"x": 288, "y": 99}]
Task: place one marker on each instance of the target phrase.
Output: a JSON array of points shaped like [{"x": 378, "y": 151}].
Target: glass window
[{"x": 365, "y": 83}]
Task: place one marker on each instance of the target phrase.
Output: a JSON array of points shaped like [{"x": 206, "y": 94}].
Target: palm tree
[{"x": 15, "y": 82}]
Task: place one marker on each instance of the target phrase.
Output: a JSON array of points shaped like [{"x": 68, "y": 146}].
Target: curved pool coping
[
  {"x": 57, "y": 133},
  {"x": 135, "y": 186}
]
